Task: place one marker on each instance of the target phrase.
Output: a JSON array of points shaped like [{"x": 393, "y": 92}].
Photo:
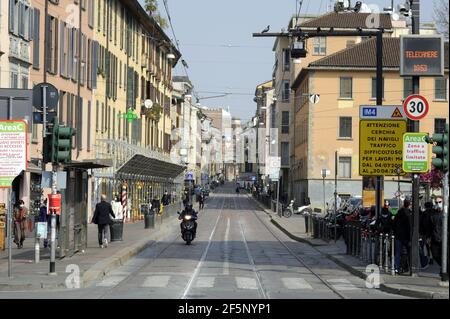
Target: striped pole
[{"x": 124, "y": 201}]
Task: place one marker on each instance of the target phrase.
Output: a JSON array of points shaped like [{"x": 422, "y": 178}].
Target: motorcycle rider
[{"x": 189, "y": 210}]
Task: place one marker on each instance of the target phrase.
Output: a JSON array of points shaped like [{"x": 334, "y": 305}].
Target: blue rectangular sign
[{"x": 370, "y": 111}]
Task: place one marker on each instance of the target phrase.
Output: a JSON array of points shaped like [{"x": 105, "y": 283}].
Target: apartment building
[
  {"x": 286, "y": 69},
  {"x": 346, "y": 80},
  {"x": 134, "y": 70}
]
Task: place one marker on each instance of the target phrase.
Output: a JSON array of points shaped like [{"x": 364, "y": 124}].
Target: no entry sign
[
  {"x": 13, "y": 150},
  {"x": 416, "y": 107}
]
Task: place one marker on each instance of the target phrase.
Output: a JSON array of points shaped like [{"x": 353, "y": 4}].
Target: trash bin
[
  {"x": 116, "y": 230},
  {"x": 149, "y": 219}
]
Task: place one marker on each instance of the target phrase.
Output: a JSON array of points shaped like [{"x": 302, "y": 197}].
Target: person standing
[
  {"x": 20, "y": 217},
  {"x": 425, "y": 231},
  {"x": 437, "y": 220},
  {"x": 156, "y": 205},
  {"x": 165, "y": 199},
  {"x": 402, "y": 232},
  {"x": 102, "y": 218},
  {"x": 117, "y": 208},
  {"x": 44, "y": 218}
]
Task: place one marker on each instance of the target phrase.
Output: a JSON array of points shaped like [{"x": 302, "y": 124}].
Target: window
[
  {"x": 345, "y": 91},
  {"x": 286, "y": 91},
  {"x": 320, "y": 46},
  {"x": 345, "y": 167},
  {"x": 91, "y": 13},
  {"x": 374, "y": 88},
  {"x": 285, "y": 153},
  {"x": 407, "y": 87},
  {"x": 286, "y": 59},
  {"x": 285, "y": 122},
  {"x": 345, "y": 127},
  {"x": 439, "y": 125},
  {"x": 410, "y": 125},
  {"x": 14, "y": 76},
  {"x": 440, "y": 89}
]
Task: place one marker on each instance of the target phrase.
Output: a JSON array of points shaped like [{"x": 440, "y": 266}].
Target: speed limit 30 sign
[{"x": 416, "y": 107}]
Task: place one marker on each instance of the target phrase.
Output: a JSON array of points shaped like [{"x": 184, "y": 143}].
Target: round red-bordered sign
[{"x": 416, "y": 107}]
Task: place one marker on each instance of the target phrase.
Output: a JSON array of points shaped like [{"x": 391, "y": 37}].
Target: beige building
[
  {"x": 345, "y": 81},
  {"x": 286, "y": 70}
]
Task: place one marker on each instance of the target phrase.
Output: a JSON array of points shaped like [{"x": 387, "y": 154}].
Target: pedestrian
[
  {"x": 402, "y": 232},
  {"x": 156, "y": 205},
  {"x": 102, "y": 213},
  {"x": 436, "y": 221},
  {"x": 425, "y": 231},
  {"x": 44, "y": 218},
  {"x": 165, "y": 199},
  {"x": 384, "y": 222},
  {"x": 117, "y": 208},
  {"x": 20, "y": 217},
  {"x": 201, "y": 201}
]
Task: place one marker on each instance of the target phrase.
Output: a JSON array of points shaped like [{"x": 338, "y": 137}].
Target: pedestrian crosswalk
[{"x": 240, "y": 282}]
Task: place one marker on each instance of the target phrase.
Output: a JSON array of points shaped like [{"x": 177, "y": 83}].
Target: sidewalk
[
  {"x": 93, "y": 263},
  {"x": 426, "y": 285}
]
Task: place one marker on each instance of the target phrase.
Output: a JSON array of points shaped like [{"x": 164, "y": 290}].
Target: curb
[{"x": 383, "y": 287}]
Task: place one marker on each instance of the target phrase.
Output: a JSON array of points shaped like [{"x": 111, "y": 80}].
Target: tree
[
  {"x": 441, "y": 16},
  {"x": 434, "y": 178},
  {"x": 151, "y": 6}
]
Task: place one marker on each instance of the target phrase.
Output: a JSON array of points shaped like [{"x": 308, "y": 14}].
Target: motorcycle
[
  {"x": 188, "y": 228},
  {"x": 289, "y": 210}
]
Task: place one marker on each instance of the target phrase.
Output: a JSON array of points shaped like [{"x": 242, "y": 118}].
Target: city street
[{"x": 237, "y": 254}]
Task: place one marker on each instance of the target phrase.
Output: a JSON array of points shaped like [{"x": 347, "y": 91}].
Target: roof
[
  {"x": 346, "y": 20},
  {"x": 363, "y": 56}
]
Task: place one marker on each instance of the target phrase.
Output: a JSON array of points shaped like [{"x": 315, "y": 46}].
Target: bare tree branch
[{"x": 441, "y": 16}]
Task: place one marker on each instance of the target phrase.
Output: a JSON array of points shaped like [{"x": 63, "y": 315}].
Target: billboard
[{"x": 421, "y": 55}]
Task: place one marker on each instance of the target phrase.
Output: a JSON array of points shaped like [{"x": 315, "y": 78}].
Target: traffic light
[
  {"x": 58, "y": 144},
  {"x": 441, "y": 162}
]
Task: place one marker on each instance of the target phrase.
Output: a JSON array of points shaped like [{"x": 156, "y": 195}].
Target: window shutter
[
  {"x": 36, "y": 38},
  {"x": 79, "y": 124},
  {"x": 12, "y": 19},
  {"x": 94, "y": 64},
  {"x": 61, "y": 50},
  {"x": 48, "y": 44},
  {"x": 88, "y": 136},
  {"x": 55, "y": 71}
]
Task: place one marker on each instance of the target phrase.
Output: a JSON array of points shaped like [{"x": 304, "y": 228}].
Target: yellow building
[
  {"x": 346, "y": 80},
  {"x": 135, "y": 61}
]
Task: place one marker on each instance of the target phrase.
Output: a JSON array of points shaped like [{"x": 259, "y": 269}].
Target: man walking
[
  {"x": 402, "y": 232},
  {"x": 102, "y": 218}
]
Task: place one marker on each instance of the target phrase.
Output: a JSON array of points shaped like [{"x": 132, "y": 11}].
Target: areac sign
[{"x": 421, "y": 55}]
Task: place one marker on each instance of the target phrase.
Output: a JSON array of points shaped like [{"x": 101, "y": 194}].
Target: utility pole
[
  {"x": 335, "y": 190},
  {"x": 415, "y": 265}
]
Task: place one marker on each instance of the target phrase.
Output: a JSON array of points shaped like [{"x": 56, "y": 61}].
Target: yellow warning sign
[
  {"x": 397, "y": 114},
  {"x": 380, "y": 147}
]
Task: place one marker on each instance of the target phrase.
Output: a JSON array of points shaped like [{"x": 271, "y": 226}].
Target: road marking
[
  {"x": 246, "y": 283},
  {"x": 252, "y": 263},
  {"x": 111, "y": 281},
  {"x": 205, "y": 282},
  {"x": 226, "y": 264},
  {"x": 156, "y": 282},
  {"x": 342, "y": 284},
  {"x": 203, "y": 258},
  {"x": 296, "y": 283}
]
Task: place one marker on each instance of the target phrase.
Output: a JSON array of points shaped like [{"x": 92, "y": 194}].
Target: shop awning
[
  {"x": 150, "y": 167},
  {"x": 90, "y": 164}
]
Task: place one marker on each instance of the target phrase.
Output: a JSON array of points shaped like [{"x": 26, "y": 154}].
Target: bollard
[
  {"x": 380, "y": 252},
  {"x": 370, "y": 248},
  {"x": 358, "y": 241},
  {"x": 393, "y": 255},
  {"x": 346, "y": 239},
  {"x": 363, "y": 246},
  {"x": 386, "y": 253}
]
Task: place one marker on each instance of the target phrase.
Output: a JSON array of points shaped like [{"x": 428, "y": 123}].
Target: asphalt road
[{"x": 238, "y": 254}]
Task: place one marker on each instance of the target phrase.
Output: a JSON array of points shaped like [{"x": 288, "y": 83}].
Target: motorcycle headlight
[{"x": 188, "y": 217}]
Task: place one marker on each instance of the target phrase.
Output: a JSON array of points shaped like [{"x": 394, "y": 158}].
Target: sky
[{"x": 205, "y": 30}]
